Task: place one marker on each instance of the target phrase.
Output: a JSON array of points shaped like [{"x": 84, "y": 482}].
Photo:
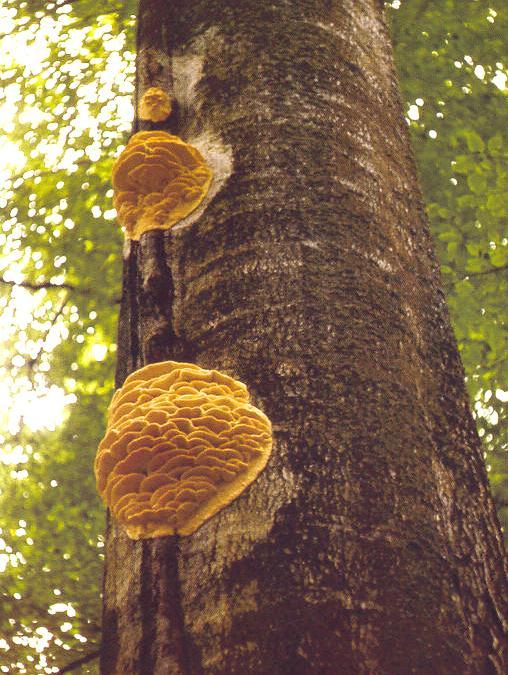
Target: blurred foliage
[
  {"x": 65, "y": 107},
  {"x": 452, "y": 61},
  {"x": 66, "y": 84}
]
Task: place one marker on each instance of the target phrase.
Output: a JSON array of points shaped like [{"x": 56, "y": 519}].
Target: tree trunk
[{"x": 370, "y": 542}]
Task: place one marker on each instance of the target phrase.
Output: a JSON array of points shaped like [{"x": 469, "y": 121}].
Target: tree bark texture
[{"x": 370, "y": 544}]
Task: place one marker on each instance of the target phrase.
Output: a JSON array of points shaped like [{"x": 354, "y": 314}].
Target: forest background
[{"x": 67, "y": 73}]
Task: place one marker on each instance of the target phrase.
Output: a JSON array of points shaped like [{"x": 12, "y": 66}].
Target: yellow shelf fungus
[
  {"x": 157, "y": 180},
  {"x": 155, "y": 105},
  {"x": 182, "y": 442}
]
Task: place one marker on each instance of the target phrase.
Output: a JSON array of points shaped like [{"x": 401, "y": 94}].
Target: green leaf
[
  {"x": 451, "y": 235},
  {"x": 473, "y": 249},
  {"x": 452, "y": 248},
  {"x": 474, "y": 265},
  {"x": 496, "y": 204},
  {"x": 464, "y": 164},
  {"x": 474, "y": 141},
  {"x": 495, "y": 144},
  {"x": 499, "y": 257},
  {"x": 477, "y": 182}
]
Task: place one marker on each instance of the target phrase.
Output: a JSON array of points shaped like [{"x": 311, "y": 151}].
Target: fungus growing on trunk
[
  {"x": 155, "y": 105},
  {"x": 157, "y": 180},
  {"x": 182, "y": 442}
]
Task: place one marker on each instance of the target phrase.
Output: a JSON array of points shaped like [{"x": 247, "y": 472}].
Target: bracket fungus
[
  {"x": 155, "y": 105},
  {"x": 182, "y": 442},
  {"x": 157, "y": 180}
]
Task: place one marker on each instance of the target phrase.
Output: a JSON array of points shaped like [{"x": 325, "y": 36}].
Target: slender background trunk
[{"x": 370, "y": 543}]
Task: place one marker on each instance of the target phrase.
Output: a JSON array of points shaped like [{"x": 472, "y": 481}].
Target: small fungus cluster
[
  {"x": 182, "y": 442},
  {"x": 155, "y": 105},
  {"x": 157, "y": 180}
]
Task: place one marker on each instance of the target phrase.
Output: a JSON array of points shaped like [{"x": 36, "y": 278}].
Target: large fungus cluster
[
  {"x": 182, "y": 442},
  {"x": 155, "y": 105},
  {"x": 157, "y": 180}
]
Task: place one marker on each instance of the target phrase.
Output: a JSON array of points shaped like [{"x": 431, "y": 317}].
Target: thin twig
[
  {"x": 79, "y": 662},
  {"x": 30, "y": 364}
]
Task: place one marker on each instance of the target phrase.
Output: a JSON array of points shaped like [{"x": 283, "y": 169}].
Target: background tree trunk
[{"x": 370, "y": 543}]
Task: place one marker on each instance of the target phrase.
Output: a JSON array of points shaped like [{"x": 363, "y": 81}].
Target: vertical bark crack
[
  {"x": 155, "y": 299},
  {"x": 167, "y": 647}
]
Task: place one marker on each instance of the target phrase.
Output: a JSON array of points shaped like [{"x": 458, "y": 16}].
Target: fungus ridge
[
  {"x": 157, "y": 180},
  {"x": 182, "y": 442}
]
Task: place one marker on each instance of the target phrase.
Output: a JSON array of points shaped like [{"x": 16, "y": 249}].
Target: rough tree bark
[{"x": 370, "y": 543}]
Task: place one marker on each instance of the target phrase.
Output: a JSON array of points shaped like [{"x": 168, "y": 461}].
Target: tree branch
[
  {"x": 466, "y": 275},
  {"x": 47, "y": 284},
  {"x": 37, "y": 286},
  {"x": 79, "y": 662},
  {"x": 491, "y": 271},
  {"x": 48, "y": 172}
]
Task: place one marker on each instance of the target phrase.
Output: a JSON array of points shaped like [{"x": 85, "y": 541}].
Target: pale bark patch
[
  {"x": 246, "y": 521},
  {"x": 219, "y": 157},
  {"x": 188, "y": 64},
  {"x": 187, "y": 70}
]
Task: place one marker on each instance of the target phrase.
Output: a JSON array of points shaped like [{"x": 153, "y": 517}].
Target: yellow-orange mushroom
[
  {"x": 157, "y": 180},
  {"x": 182, "y": 442},
  {"x": 155, "y": 105}
]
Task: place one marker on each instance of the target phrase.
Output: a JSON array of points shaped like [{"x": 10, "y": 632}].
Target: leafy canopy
[{"x": 452, "y": 61}]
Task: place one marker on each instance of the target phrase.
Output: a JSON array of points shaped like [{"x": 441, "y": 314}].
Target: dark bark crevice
[{"x": 166, "y": 646}]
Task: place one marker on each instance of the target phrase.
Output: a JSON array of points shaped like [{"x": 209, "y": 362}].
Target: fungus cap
[
  {"x": 155, "y": 105},
  {"x": 181, "y": 443},
  {"x": 157, "y": 180}
]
